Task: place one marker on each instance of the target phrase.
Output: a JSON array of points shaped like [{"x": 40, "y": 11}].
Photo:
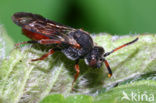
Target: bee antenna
[{"x": 124, "y": 45}]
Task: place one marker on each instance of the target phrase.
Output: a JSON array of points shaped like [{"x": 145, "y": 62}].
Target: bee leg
[
  {"x": 51, "y": 51},
  {"x": 108, "y": 68},
  {"x": 77, "y": 73},
  {"x": 26, "y": 42}
]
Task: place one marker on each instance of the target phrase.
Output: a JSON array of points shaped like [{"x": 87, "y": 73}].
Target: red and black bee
[{"x": 74, "y": 43}]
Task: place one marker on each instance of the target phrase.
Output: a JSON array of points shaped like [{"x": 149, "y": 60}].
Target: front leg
[{"x": 77, "y": 72}]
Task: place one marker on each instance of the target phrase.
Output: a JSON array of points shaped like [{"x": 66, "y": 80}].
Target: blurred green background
[{"x": 95, "y": 16}]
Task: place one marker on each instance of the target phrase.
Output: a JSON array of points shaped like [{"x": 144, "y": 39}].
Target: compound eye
[{"x": 101, "y": 59}]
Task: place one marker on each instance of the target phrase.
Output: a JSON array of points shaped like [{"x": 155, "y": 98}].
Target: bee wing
[{"x": 37, "y": 24}]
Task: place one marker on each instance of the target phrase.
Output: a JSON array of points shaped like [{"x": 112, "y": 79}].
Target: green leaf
[
  {"x": 58, "y": 98},
  {"x": 6, "y": 44},
  {"x": 23, "y": 81},
  {"x": 22, "y": 78},
  {"x": 138, "y": 92},
  {"x": 55, "y": 98},
  {"x": 79, "y": 99}
]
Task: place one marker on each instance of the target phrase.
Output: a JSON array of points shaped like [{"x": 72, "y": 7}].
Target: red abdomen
[{"x": 33, "y": 35}]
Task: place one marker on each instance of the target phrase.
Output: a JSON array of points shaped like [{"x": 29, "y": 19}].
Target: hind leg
[{"x": 51, "y": 51}]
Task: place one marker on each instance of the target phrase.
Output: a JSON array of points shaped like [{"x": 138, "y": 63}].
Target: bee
[{"x": 75, "y": 44}]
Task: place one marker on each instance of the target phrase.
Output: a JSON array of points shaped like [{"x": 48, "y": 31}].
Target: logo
[{"x": 138, "y": 96}]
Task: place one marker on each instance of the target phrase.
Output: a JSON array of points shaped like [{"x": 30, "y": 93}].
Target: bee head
[{"x": 95, "y": 57}]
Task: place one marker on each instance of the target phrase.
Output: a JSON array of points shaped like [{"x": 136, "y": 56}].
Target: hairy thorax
[{"x": 86, "y": 44}]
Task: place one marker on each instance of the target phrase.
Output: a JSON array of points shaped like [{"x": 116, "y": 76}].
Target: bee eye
[{"x": 101, "y": 59}]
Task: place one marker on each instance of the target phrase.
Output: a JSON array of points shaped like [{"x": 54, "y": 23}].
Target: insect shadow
[{"x": 93, "y": 77}]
